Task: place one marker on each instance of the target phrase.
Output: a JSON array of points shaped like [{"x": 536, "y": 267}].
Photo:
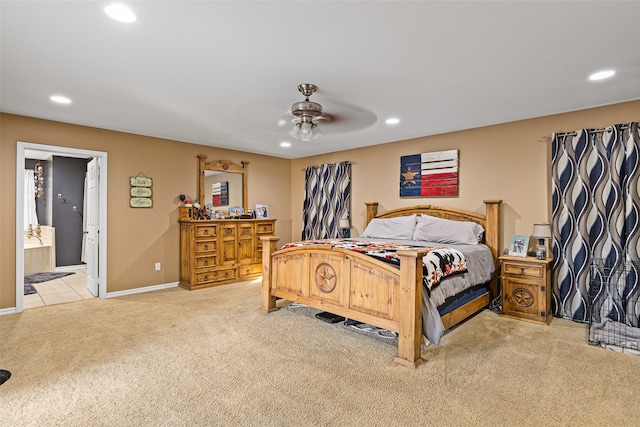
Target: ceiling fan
[{"x": 306, "y": 115}]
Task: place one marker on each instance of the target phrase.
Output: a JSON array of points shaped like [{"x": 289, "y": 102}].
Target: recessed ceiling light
[
  {"x": 60, "y": 99},
  {"x": 602, "y": 75},
  {"x": 285, "y": 144},
  {"x": 392, "y": 121},
  {"x": 120, "y": 13}
]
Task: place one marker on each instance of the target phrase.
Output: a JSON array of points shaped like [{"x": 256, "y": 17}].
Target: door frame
[{"x": 102, "y": 211}]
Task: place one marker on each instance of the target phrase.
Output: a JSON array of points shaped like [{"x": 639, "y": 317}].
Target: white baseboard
[
  {"x": 141, "y": 290},
  {"x": 10, "y": 310}
]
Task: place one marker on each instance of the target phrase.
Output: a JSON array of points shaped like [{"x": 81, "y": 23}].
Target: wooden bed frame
[{"x": 359, "y": 287}]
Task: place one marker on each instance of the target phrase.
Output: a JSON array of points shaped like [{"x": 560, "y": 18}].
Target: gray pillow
[
  {"x": 432, "y": 229},
  {"x": 398, "y": 228}
]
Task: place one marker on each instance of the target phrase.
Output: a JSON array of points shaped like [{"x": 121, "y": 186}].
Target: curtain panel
[
  {"x": 596, "y": 214},
  {"x": 30, "y": 214},
  {"x": 327, "y": 199}
]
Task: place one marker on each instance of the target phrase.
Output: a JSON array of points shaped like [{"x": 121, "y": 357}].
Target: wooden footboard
[
  {"x": 359, "y": 287},
  {"x": 352, "y": 285}
]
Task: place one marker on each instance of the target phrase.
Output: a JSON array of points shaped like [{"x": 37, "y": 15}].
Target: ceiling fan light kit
[{"x": 307, "y": 114}]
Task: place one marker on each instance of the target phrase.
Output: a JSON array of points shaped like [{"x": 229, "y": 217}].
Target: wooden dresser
[{"x": 215, "y": 252}]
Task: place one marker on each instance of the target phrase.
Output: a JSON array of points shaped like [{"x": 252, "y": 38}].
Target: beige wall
[
  {"x": 137, "y": 238},
  {"x": 508, "y": 161}
]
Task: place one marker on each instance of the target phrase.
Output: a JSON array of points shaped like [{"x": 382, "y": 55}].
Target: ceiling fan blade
[
  {"x": 286, "y": 119},
  {"x": 323, "y": 119}
]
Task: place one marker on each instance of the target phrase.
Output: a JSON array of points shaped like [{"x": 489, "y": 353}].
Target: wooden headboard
[{"x": 490, "y": 221}]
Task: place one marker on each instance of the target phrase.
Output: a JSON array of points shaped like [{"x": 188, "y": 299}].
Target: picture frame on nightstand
[{"x": 519, "y": 246}]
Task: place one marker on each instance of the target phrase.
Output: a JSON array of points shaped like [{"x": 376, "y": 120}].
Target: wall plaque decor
[
  {"x": 429, "y": 174},
  {"x": 140, "y": 191}
]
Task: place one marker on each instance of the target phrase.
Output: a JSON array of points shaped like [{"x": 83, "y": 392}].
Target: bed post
[
  {"x": 268, "y": 301},
  {"x": 372, "y": 211},
  {"x": 410, "y": 301},
  {"x": 492, "y": 238}
]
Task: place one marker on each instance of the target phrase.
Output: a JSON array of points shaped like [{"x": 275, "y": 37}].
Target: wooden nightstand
[{"x": 526, "y": 288}]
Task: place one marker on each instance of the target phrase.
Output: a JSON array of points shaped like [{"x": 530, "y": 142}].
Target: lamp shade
[
  {"x": 541, "y": 230},
  {"x": 344, "y": 223}
]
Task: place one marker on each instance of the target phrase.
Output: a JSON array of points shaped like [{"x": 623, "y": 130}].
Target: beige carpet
[{"x": 210, "y": 358}]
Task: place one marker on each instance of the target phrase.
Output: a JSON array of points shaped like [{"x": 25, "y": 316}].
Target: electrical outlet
[{"x": 157, "y": 266}]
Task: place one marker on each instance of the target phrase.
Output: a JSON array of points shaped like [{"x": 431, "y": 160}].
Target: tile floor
[{"x": 66, "y": 289}]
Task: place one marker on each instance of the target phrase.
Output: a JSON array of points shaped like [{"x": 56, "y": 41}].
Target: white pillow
[
  {"x": 399, "y": 228},
  {"x": 432, "y": 229}
]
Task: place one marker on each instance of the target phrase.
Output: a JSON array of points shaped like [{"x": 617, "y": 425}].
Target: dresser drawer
[
  {"x": 205, "y": 245},
  {"x": 206, "y": 230},
  {"x": 264, "y": 228},
  {"x": 523, "y": 269},
  {"x": 249, "y": 270},
  {"x": 206, "y": 261},
  {"x": 213, "y": 275}
]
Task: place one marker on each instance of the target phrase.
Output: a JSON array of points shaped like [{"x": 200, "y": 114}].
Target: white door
[{"x": 93, "y": 226}]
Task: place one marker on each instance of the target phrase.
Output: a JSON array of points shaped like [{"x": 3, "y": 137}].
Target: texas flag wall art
[{"x": 429, "y": 174}]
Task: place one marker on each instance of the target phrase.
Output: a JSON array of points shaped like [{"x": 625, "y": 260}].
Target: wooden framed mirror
[{"x": 223, "y": 171}]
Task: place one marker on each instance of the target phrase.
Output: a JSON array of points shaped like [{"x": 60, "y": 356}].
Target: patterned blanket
[{"x": 438, "y": 262}]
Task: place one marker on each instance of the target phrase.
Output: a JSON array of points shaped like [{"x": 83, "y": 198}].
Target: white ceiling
[{"x": 223, "y": 73}]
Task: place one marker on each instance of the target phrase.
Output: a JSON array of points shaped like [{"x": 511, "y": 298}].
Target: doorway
[{"x": 96, "y": 261}]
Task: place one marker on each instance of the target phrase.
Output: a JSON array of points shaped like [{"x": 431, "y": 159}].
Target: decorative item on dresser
[
  {"x": 526, "y": 288},
  {"x": 344, "y": 277},
  {"x": 215, "y": 252}
]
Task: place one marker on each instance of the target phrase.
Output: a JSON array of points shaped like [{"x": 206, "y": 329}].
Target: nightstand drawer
[{"x": 523, "y": 269}]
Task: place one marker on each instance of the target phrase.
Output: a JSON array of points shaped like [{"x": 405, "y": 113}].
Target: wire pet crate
[{"x": 614, "y": 305}]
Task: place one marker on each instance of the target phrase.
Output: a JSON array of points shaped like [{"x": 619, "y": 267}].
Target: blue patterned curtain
[
  {"x": 327, "y": 196},
  {"x": 596, "y": 209}
]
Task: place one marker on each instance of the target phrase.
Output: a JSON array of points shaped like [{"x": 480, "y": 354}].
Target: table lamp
[
  {"x": 541, "y": 231},
  {"x": 344, "y": 226}
]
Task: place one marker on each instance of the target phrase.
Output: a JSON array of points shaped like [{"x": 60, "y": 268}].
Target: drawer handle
[
  {"x": 206, "y": 231},
  {"x": 521, "y": 270},
  {"x": 226, "y": 274},
  {"x": 206, "y": 278},
  {"x": 206, "y": 247},
  {"x": 206, "y": 262}
]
